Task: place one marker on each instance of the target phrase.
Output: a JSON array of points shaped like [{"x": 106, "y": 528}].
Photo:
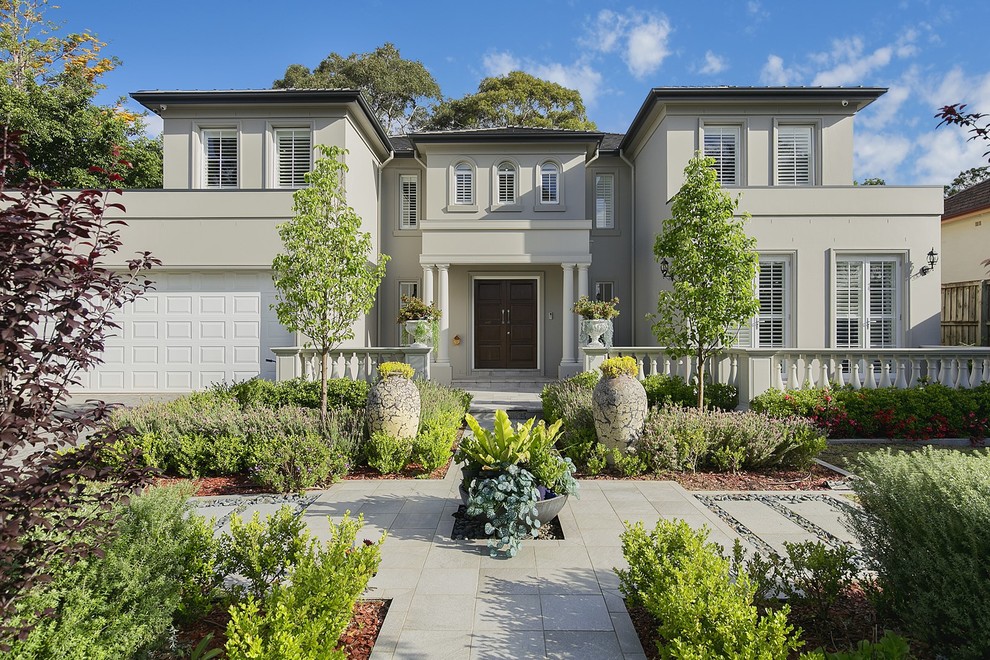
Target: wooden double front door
[{"x": 505, "y": 324}]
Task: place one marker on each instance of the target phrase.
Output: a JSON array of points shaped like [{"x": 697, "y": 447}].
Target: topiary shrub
[
  {"x": 684, "y": 581},
  {"x": 617, "y": 366},
  {"x": 924, "y": 525},
  {"x": 297, "y": 392}
]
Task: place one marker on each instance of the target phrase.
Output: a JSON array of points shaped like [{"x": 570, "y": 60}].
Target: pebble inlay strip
[
  {"x": 298, "y": 502},
  {"x": 777, "y": 503}
]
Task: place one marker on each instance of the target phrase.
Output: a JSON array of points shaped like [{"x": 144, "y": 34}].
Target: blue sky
[{"x": 928, "y": 53}]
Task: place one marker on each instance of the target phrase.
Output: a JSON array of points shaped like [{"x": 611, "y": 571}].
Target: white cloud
[
  {"x": 851, "y": 65},
  {"x": 647, "y": 47},
  {"x": 753, "y": 7},
  {"x": 153, "y": 125},
  {"x": 640, "y": 37},
  {"x": 713, "y": 64},
  {"x": 885, "y": 109},
  {"x": 579, "y": 75},
  {"x": 774, "y": 72},
  {"x": 945, "y": 153},
  {"x": 499, "y": 64},
  {"x": 880, "y": 155}
]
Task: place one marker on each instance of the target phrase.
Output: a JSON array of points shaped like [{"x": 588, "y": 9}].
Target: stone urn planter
[
  {"x": 419, "y": 331},
  {"x": 619, "y": 405},
  {"x": 596, "y": 333},
  {"x": 393, "y": 402}
]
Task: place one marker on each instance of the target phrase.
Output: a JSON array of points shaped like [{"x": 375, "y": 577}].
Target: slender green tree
[
  {"x": 325, "y": 279},
  {"x": 713, "y": 265}
]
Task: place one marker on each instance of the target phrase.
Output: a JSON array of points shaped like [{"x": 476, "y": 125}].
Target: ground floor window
[
  {"x": 771, "y": 327},
  {"x": 866, "y": 302}
]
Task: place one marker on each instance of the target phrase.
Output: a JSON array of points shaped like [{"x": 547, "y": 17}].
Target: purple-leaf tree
[{"x": 56, "y": 306}]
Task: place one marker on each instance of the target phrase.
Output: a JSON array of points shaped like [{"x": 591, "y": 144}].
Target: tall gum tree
[
  {"x": 713, "y": 266},
  {"x": 325, "y": 279}
]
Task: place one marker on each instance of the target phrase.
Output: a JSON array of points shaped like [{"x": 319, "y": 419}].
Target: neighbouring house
[
  {"x": 504, "y": 228},
  {"x": 965, "y": 276}
]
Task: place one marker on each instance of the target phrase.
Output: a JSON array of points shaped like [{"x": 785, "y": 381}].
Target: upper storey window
[
  {"x": 463, "y": 184},
  {"x": 408, "y": 201},
  {"x": 294, "y": 156},
  {"x": 506, "y": 183},
  {"x": 549, "y": 183},
  {"x": 795, "y": 155},
  {"x": 722, "y": 144},
  {"x": 605, "y": 202},
  {"x": 220, "y": 158}
]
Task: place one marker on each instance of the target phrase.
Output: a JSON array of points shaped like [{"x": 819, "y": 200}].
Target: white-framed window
[
  {"x": 771, "y": 327},
  {"x": 293, "y": 156},
  {"x": 605, "y": 201},
  {"x": 407, "y": 289},
  {"x": 722, "y": 144},
  {"x": 506, "y": 183},
  {"x": 219, "y": 157},
  {"x": 795, "y": 155},
  {"x": 463, "y": 184},
  {"x": 604, "y": 290},
  {"x": 408, "y": 201},
  {"x": 866, "y": 302},
  {"x": 549, "y": 183}
]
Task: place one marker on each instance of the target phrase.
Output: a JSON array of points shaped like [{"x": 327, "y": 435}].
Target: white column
[
  {"x": 582, "y": 280},
  {"x": 567, "y": 357},
  {"x": 444, "y": 315},
  {"x": 428, "y": 284}
]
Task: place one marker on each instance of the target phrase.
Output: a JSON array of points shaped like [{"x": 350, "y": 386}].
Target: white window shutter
[
  {"x": 722, "y": 144},
  {"x": 604, "y": 201},
  {"x": 848, "y": 303},
  {"x": 220, "y": 156},
  {"x": 549, "y": 193},
  {"x": 295, "y": 149},
  {"x": 772, "y": 292},
  {"x": 506, "y": 183},
  {"x": 794, "y": 155},
  {"x": 463, "y": 184},
  {"x": 408, "y": 201},
  {"x": 882, "y": 304}
]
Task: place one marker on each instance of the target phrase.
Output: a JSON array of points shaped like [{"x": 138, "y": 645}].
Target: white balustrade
[{"x": 351, "y": 363}]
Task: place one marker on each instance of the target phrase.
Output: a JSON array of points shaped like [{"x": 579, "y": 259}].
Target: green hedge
[
  {"x": 688, "y": 439},
  {"x": 928, "y": 411},
  {"x": 341, "y": 392},
  {"x": 924, "y": 525},
  {"x": 155, "y": 568},
  {"x": 672, "y": 390}
]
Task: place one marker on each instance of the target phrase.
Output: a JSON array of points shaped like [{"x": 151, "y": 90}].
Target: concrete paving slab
[
  {"x": 575, "y": 612},
  {"x": 582, "y": 645},
  {"x": 448, "y": 581},
  {"x": 505, "y": 644},
  {"x": 416, "y": 644},
  {"x": 509, "y": 612},
  {"x": 827, "y": 516},
  {"x": 428, "y": 612}
]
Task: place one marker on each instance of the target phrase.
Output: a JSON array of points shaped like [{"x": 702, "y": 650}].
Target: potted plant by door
[
  {"x": 596, "y": 321},
  {"x": 619, "y": 405},
  {"x": 514, "y": 477},
  {"x": 393, "y": 402},
  {"x": 418, "y": 318}
]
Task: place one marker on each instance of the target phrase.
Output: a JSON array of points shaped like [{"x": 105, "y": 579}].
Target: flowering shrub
[
  {"x": 596, "y": 309},
  {"x": 690, "y": 439},
  {"x": 928, "y": 411}
]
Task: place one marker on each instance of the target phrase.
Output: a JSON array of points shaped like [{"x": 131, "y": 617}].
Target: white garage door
[{"x": 193, "y": 330}]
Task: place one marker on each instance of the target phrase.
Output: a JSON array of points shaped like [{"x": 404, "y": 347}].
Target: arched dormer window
[
  {"x": 463, "y": 184},
  {"x": 506, "y": 183},
  {"x": 549, "y": 183}
]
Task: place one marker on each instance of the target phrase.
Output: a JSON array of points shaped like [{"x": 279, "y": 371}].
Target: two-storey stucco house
[{"x": 505, "y": 228}]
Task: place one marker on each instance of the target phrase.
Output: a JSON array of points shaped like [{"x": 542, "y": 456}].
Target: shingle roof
[{"x": 974, "y": 198}]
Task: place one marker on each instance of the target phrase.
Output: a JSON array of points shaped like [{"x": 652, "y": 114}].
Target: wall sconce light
[
  {"x": 457, "y": 340},
  {"x": 665, "y": 269},
  {"x": 932, "y": 260}
]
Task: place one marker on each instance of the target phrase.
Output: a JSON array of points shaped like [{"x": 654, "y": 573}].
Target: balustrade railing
[
  {"x": 353, "y": 363},
  {"x": 754, "y": 371}
]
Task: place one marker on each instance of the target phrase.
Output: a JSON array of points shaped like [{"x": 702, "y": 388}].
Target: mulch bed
[
  {"x": 813, "y": 478},
  {"x": 357, "y": 641}
]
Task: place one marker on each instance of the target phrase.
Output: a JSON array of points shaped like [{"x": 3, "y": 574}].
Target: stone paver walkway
[{"x": 555, "y": 599}]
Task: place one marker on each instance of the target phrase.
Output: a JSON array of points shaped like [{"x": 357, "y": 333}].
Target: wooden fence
[{"x": 966, "y": 313}]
